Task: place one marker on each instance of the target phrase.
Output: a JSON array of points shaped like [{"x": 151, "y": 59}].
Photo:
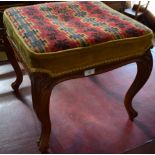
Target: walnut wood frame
[{"x": 42, "y": 85}]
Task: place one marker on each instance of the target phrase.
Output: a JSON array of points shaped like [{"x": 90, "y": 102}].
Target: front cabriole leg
[
  {"x": 144, "y": 68},
  {"x": 41, "y": 87}
]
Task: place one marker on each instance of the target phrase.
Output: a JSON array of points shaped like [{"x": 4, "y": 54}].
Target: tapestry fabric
[
  {"x": 64, "y": 37},
  {"x": 52, "y": 27}
]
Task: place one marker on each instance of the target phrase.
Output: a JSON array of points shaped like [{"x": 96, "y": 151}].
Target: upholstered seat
[
  {"x": 64, "y": 40},
  {"x": 64, "y": 37}
]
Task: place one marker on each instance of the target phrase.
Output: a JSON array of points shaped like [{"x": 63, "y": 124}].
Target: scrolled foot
[
  {"x": 132, "y": 113},
  {"x": 42, "y": 147},
  {"x": 15, "y": 86},
  {"x": 43, "y": 142}
]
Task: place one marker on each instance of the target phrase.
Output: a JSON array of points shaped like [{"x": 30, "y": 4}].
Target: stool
[{"x": 65, "y": 40}]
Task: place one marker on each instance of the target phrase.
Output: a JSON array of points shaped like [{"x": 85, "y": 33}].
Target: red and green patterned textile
[{"x": 52, "y": 27}]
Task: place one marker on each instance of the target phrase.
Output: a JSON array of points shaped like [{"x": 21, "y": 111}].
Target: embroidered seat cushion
[{"x": 63, "y": 37}]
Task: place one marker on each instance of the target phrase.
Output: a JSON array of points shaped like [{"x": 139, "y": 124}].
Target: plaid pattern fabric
[{"x": 52, "y": 27}]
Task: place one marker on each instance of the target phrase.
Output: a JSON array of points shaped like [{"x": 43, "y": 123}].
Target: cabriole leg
[
  {"x": 41, "y": 90},
  {"x": 144, "y": 68}
]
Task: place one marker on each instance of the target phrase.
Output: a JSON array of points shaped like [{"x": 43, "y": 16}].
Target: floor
[{"x": 87, "y": 115}]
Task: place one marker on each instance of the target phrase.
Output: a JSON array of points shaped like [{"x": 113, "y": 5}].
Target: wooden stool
[{"x": 66, "y": 40}]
